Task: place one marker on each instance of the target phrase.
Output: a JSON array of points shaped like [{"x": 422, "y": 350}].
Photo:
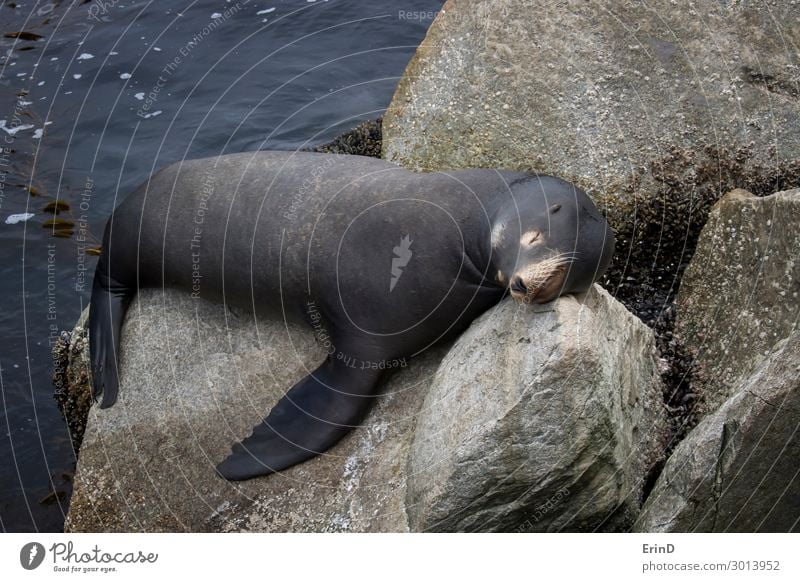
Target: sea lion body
[
  {"x": 387, "y": 261},
  {"x": 262, "y": 232}
]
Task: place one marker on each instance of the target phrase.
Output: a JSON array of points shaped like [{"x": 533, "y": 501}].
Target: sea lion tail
[{"x": 110, "y": 301}]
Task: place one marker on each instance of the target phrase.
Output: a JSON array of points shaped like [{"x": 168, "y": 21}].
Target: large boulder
[
  {"x": 595, "y": 92},
  {"x": 564, "y": 400},
  {"x": 555, "y": 418},
  {"x": 740, "y": 296},
  {"x": 737, "y": 470}
]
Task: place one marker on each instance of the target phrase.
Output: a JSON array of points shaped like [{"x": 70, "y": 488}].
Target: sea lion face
[{"x": 550, "y": 241}]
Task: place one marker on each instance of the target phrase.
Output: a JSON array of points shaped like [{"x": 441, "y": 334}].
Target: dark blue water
[{"x": 114, "y": 90}]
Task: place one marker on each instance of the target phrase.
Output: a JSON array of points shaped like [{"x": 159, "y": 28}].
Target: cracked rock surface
[
  {"x": 739, "y": 469},
  {"x": 537, "y": 418},
  {"x": 740, "y": 296}
]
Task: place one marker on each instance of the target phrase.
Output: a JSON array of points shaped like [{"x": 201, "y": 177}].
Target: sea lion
[{"x": 389, "y": 261}]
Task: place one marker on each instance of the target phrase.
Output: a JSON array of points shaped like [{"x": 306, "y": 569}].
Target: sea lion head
[{"x": 549, "y": 240}]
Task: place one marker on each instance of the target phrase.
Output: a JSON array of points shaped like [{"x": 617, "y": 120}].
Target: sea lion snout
[
  {"x": 540, "y": 282},
  {"x": 518, "y": 286}
]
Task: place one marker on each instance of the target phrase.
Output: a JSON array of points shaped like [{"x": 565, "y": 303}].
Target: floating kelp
[
  {"x": 56, "y": 206},
  {"x": 23, "y": 35},
  {"x": 58, "y": 224}
]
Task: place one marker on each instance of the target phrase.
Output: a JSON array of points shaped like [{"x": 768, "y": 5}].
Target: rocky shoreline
[{"x": 586, "y": 418}]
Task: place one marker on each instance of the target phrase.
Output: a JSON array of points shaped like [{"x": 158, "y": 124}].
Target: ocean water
[{"x": 110, "y": 92}]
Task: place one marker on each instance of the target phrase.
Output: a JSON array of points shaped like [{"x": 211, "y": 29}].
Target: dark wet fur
[{"x": 110, "y": 301}]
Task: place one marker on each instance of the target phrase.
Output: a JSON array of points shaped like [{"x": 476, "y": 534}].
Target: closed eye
[{"x": 530, "y": 237}]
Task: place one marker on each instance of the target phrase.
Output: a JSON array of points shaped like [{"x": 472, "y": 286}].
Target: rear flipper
[
  {"x": 312, "y": 417},
  {"x": 110, "y": 301}
]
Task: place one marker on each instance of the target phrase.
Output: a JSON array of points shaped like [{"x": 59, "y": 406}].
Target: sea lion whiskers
[{"x": 526, "y": 284}]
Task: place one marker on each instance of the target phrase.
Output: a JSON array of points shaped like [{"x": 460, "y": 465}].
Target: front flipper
[{"x": 312, "y": 417}]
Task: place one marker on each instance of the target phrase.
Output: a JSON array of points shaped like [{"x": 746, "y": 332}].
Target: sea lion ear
[{"x": 555, "y": 208}]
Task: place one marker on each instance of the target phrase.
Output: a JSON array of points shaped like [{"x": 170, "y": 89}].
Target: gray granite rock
[
  {"x": 740, "y": 295},
  {"x": 196, "y": 377},
  {"x": 611, "y": 95},
  {"x": 739, "y": 469},
  {"x": 543, "y": 423}
]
